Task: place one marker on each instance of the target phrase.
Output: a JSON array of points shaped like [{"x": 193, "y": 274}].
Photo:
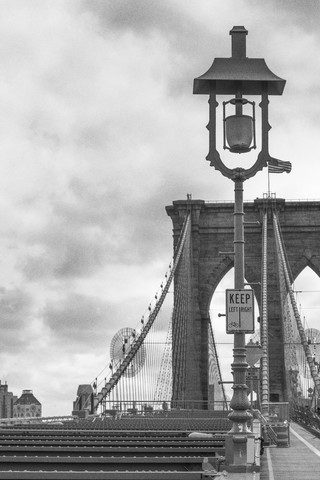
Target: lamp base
[{"x": 240, "y": 452}]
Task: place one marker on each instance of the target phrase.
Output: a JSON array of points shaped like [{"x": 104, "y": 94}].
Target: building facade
[
  {"x": 7, "y": 400},
  {"x": 27, "y": 405}
]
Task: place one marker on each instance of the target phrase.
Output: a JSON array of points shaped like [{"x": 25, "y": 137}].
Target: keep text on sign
[{"x": 240, "y": 311}]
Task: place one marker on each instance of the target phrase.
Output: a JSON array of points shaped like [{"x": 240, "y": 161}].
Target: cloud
[
  {"x": 90, "y": 231},
  {"x": 299, "y": 16},
  {"x": 15, "y": 311},
  {"x": 140, "y": 17},
  {"x": 78, "y": 318},
  {"x": 64, "y": 247},
  {"x": 12, "y": 302},
  {"x": 99, "y": 131}
]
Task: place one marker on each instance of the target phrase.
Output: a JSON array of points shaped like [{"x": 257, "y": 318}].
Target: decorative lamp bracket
[{"x": 214, "y": 157}]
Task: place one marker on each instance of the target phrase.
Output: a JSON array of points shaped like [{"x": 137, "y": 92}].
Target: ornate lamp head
[{"x": 238, "y": 76}]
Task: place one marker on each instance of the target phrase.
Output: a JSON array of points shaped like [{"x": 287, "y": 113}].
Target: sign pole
[{"x": 239, "y": 402}]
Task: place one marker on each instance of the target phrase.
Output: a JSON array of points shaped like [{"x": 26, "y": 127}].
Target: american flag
[{"x": 279, "y": 166}]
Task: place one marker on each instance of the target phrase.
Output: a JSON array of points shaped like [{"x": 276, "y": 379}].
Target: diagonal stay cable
[
  {"x": 211, "y": 336},
  {"x": 301, "y": 330}
]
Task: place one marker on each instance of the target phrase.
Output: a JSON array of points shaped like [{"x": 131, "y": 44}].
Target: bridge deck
[{"x": 300, "y": 461}]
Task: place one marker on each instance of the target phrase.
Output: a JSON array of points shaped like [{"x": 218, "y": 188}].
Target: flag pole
[{"x": 268, "y": 183}]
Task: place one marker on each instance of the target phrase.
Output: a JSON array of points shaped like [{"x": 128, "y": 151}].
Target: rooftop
[{"x": 27, "y": 398}]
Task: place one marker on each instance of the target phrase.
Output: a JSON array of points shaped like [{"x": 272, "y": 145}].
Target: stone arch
[
  {"x": 304, "y": 262},
  {"x": 212, "y": 282},
  {"x": 212, "y": 233}
]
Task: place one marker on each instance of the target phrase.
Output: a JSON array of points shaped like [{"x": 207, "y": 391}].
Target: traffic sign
[
  {"x": 240, "y": 311},
  {"x": 254, "y": 352}
]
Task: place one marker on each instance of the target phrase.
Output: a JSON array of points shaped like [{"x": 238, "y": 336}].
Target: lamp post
[{"x": 239, "y": 76}]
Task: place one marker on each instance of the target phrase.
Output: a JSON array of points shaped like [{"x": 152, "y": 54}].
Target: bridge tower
[{"x": 212, "y": 233}]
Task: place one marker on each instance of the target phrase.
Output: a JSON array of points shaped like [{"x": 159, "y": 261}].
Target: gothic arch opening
[
  {"x": 224, "y": 341},
  {"x": 307, "y": 292}
]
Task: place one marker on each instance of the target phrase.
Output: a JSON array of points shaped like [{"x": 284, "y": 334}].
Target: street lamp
[{"x": 239, "y": 76}]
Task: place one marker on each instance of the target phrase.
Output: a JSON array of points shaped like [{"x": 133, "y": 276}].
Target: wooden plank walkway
[{"x": 300, "y": 461}]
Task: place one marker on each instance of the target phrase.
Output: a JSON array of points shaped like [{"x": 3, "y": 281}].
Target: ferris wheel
[{"x": 120, "y": 347}]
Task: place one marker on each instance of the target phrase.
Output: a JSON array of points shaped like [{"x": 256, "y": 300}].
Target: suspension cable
[
  {"x": 217, "y": 363},
  {"x": 301, "y": 330},
  {"x": 112, "y": 382},
  {"x": 264, "y": 320}
]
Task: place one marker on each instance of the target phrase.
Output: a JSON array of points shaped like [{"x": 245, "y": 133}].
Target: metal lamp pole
[
  {"x": 239, "y": 75},
  {"x": 240, "y": 402}
]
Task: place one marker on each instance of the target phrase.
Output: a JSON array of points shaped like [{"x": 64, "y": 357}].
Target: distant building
[
  {"x": 7, "y": 400},
  {"x": 84, "y": 400},
  {"x": 27, "y": 405}
]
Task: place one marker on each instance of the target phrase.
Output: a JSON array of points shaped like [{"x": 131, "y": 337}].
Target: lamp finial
[{"x": 238, "y": 42}]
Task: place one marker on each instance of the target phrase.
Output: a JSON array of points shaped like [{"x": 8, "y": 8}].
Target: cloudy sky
[{"x": 99, "y": 131}]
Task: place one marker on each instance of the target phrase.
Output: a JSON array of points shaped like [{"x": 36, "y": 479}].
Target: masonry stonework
[{"x": 212, "y": 232}]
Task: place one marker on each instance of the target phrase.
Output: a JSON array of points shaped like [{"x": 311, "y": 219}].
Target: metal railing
[{"x": 178, "y": 408}]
